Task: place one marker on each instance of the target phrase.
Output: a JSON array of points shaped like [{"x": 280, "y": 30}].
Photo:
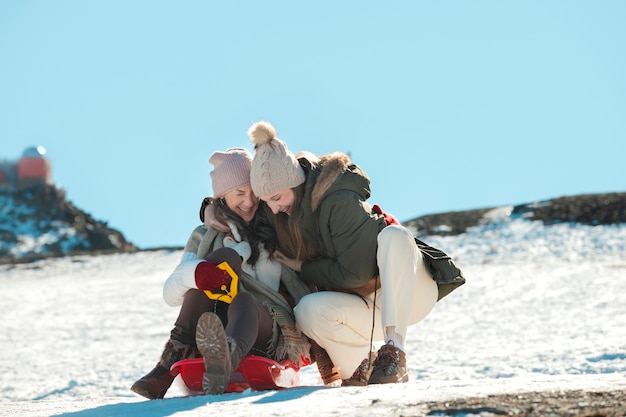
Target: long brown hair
[
  {"x": 288, "y": 234},
  {"x": 258, "y": 231}
]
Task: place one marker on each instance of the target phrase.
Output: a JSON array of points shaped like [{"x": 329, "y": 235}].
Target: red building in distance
[{"x": 30, "y": 170}]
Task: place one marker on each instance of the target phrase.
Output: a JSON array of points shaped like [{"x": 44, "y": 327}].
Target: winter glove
[
  {"x": 389, "y": 218},
  {"x": 210, "y": 277},
  {"x": 242, "y": 248}
]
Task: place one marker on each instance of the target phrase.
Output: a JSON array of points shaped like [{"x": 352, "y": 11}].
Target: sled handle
[{"x": 228, "y": 292}]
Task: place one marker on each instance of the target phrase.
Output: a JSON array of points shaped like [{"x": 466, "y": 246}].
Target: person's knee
[
  {"x": 243, "y": 300},
  {"x": 194, "y": 296},
  {"x": 305, "y": 312},
  {"x": 228, "y": 255},
  {"x": 394, "y": 232}
]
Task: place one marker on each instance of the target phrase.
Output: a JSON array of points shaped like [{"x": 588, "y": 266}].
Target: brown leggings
[{"x": 245, "y": 319}]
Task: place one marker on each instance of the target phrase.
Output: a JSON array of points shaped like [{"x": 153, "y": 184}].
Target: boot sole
[
  {"x": 213, "y": 345},
  {"x": 144, "y": 392}
]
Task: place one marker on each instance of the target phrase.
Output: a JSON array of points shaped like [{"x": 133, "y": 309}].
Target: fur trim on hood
[{"x": 333, "y": 166}]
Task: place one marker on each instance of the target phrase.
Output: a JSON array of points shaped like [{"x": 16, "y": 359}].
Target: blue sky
[{"x": 448, "y": 105}]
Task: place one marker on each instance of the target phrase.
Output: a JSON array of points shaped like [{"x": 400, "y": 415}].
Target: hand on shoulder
[{"x": 207, "y": 215}]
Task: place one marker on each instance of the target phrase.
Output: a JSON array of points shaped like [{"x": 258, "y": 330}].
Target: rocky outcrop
[
  {"x": 590, "y": 209},
  {"x": 39, "y": 222}
]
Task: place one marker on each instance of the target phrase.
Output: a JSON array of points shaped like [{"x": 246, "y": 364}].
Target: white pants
[{"x": 342, "y": 323}]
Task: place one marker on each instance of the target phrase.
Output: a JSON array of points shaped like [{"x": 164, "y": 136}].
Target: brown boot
[
  {"x": 389, "y": 366},
  {"x": 213, "y": 345},
  {"x": 236, "y": 355},
  {"x": 156, "y": 383},
  {"x": 328, "y": 371},
  {"x": 361, "y": 375}
]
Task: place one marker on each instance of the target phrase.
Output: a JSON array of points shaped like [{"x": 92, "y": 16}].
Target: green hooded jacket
[{"x": 336, "y": 218}]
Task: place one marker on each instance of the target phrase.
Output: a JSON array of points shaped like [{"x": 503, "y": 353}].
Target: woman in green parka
[{"x": 376, "y": 277}]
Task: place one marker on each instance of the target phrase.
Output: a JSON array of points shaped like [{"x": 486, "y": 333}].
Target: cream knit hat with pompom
[{"x": 274, "y": 167}]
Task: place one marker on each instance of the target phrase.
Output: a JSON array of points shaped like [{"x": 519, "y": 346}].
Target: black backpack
[{"x": 446, "y": 274}]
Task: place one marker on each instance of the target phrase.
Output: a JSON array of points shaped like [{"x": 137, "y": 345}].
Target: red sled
[{"x": 254, "y": 372}]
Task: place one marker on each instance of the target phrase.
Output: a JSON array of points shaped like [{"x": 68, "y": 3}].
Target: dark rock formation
[
  {"x": 590, "y": 209},
  {"x": 43, "y": 210}
]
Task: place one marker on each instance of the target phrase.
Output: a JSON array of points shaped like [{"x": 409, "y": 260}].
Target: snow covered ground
[{"x": 543, "y": 309}]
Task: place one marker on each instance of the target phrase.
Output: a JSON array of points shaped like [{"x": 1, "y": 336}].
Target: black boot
[{"x": 156, "y": 383}]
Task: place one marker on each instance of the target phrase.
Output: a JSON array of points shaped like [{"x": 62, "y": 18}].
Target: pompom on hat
[
  {"x": 274, "y": 167},
  {"x": 231, "y": 170}
]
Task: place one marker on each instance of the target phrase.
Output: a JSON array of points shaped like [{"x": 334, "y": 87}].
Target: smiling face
[
  {"x": 281, "y": 201},
  {"x": 242, "y": 201}
]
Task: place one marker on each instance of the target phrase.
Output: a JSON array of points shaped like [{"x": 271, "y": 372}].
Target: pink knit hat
[{"x": 232, "y": 170}]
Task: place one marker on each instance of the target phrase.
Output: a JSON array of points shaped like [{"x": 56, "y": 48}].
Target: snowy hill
[
  {"x": 542, "y": 311},
  {"x": 39, "y": 222}
]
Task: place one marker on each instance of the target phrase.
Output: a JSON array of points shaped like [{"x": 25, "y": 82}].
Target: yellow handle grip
[{"x": 228, "y": 293}]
